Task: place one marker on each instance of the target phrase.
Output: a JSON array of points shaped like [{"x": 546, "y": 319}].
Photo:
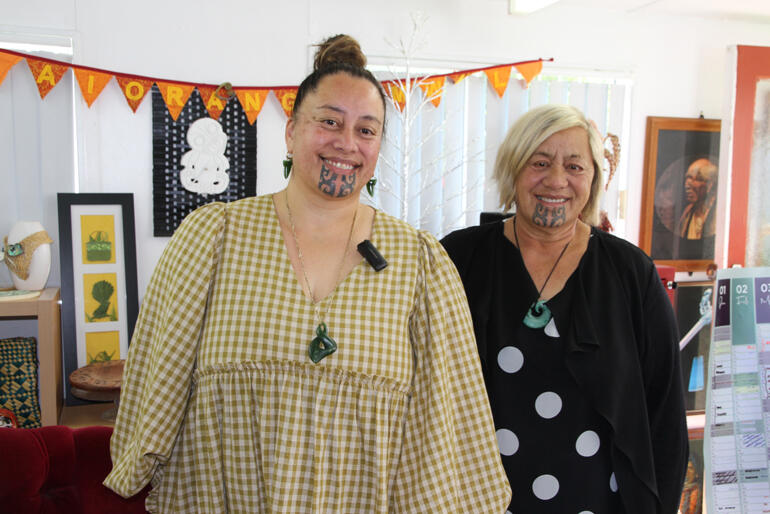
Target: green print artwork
[
  {"x": 98, "y": 246},
  {"x": 101, "y": 292},
  {"x": 102, "y": 356}
]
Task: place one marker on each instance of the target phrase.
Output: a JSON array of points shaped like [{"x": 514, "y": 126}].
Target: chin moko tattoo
[
  {"x": 539, "y": 217},
  {"x": 558, "y": 216},
  {"x": 334, "y": 184},
  {"x": 548, "y": 216},
  {"x": 328, "y": 181},
  {"x": 346, "y": 185}
]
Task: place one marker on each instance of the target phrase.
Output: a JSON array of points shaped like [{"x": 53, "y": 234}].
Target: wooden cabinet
[{"x": 46, "y": 308}]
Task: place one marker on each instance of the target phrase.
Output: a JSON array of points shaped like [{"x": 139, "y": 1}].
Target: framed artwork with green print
[{"x": 97, "y": 253}]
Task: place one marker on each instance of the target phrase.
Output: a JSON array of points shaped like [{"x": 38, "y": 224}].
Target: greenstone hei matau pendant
[
  {"x": 321, "y": 345},
  {"x": 538, "y": 315}
]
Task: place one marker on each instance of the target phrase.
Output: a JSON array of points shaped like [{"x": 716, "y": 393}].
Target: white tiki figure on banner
[{"x": 205, "y": 164}]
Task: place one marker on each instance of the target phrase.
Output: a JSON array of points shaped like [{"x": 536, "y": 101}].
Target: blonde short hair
[{"x": 528, "y": 133}]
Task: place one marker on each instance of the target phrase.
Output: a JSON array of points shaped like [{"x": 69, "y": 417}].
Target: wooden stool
[{"x": 99, "y": 382}]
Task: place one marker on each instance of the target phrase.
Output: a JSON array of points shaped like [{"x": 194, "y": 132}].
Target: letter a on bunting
[{"x": 47, "y": 74}]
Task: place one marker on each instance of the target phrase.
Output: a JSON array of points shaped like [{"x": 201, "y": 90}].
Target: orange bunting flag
[
  {"x": 134, "y": 89},
  {"x": 498, "y": 78},
  {"x": 175, "y": 95},
  {"x": 214, "y": 104},
  {"x": 91, "y": 82},
  {"x": 7, "y": 61},
  {"x": 47, "y": 74},
  {"x": 432, "y": 88},
  {"x": 457, "y": 77},
  {"x": 286, "y": 97},
  {"x": 252, "y": 101},
  {"x": 530, "y": 70},
  {"x": 395, "y": 90}
]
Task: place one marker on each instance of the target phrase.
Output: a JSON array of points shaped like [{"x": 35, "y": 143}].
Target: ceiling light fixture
[{"x": 527, "y": 6}]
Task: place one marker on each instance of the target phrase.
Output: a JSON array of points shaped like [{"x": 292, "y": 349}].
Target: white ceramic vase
[{"x": 40, "y": 265}]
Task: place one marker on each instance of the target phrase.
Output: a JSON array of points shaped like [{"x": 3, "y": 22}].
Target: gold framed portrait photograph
[{"x": 679, "y": 191}]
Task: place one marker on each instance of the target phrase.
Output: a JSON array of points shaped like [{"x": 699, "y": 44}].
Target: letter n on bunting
[{"x": 198, "y": 159}]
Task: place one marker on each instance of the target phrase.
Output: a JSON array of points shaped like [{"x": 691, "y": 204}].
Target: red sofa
[{"x": 58, "y": 469}]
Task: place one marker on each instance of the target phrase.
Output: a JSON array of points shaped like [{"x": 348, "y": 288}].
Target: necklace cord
[
  {"x": 316, "y": 304},
  {"x": 516, "y": 237}
]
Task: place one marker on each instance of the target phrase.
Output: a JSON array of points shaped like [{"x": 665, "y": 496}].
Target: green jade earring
[
  {"x": 370, "y": 186},
  {"x": 287, "y": 162}
]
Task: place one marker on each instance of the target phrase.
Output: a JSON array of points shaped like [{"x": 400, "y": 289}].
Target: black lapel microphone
[{"x": 372, "y": 255}]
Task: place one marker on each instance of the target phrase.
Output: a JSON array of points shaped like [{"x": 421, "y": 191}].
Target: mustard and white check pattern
[{"x": 223, "y": 411}]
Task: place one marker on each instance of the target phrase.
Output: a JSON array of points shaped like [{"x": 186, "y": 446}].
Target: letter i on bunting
[
  {"x": 175, "y": 96},
  {"x": 91, "y": 83},
  {"x": 47, "y": 74},
  {"x": 134, "y": 89}
]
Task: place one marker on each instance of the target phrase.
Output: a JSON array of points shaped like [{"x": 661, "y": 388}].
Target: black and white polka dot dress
[{"x": 554, "y": 446}]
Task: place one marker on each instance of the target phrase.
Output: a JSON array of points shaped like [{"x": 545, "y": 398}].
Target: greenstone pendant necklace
[
  {"x": 538, "y": 314},
  {"x": 322, "y": 345}
]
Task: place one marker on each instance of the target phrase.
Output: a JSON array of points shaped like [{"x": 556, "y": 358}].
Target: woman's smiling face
[
  {"x": 555, "y": 184},
  {"x": 335, "y": 137}
]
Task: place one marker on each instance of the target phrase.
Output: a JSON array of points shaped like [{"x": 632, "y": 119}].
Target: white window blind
[{"x": 37, "y": 139}]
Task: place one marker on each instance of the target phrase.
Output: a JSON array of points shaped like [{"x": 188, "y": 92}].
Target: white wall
[{"x": 677, "y": 64}]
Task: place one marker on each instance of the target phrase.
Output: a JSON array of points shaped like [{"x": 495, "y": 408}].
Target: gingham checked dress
[{"x": 223, "y": 411}]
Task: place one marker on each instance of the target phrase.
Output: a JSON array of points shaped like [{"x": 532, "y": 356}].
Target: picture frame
[
  {"x": 679, "y": 192},
  {"x": 747, "y": 234},
  {"x": 692, "y": 499},
  {"x": 97, "y": 253},
  {"x": 694, "y": 356}
]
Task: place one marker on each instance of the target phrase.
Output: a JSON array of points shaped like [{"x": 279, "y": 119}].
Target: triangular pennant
[
  {"x": 457, "y": 77},
  {"x": 529, "y": 70},
  {"x": 7, "y": 61},
  {"x": 498, "y": 78},
  {"x": 395, "y": 90},
  {"x": 252, "y": 101},
  {"x": 286, "y": 97},
  {"x": 91, "y": 82},
  {"x": 134, "y": 89},
  {"x": 47, "y": 74},
  {"x": 214, "y": 104},
  {"x": 175, "y": 95},
  {"x": 432, "y": 88}
]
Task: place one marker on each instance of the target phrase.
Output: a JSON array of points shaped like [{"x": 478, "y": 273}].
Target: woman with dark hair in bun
[{"x": 274, "y": 369}]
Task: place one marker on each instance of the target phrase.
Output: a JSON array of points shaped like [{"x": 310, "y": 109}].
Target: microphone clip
[{"x": 372, "y": 255}]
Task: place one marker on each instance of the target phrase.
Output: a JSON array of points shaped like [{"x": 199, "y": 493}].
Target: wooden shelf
[
  {"x": 76, "y": 416},
  {"x": 47, "y": 309}
]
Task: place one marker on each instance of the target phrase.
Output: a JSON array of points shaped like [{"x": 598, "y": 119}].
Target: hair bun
[{"x": 341, "y": 49}]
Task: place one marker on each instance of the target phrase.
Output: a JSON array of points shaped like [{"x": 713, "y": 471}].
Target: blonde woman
[{"x": 576, "y": 335}]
